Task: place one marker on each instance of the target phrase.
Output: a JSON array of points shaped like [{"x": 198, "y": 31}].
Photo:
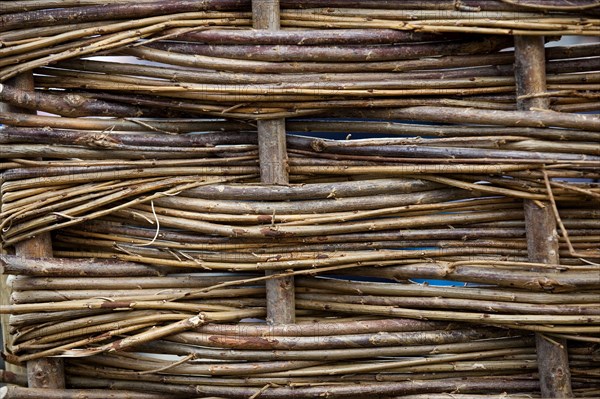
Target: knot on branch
[
  {"x": 75, "y": 100},
  {"x": 97, "y": 140}
]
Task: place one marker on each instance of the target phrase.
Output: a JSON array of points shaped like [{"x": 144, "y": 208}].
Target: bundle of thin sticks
[
  {"x": 381, "y": 55},
  {"x": 369, "y": 207},
  {"x": 387, "y": 356},
  {"x": 348, "y": 328},
  {"x": 146, "y": 177},
  {"x": 207, "y": 183}
]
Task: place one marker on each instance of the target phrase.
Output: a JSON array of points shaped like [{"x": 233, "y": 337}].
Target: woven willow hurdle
[{"x": 175, "y": 225}]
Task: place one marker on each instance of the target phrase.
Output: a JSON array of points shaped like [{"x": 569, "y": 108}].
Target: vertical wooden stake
[
  {"x": 542, "y": 238},
  {"x": 274, "y": 170},
  {"x": 273, "y": 152},
  {"x": 47, "y": 372},
  {"x": 265, "y": 14}
]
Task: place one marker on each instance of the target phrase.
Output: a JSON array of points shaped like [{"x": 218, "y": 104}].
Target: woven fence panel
[{"x": 238, "y": 199}]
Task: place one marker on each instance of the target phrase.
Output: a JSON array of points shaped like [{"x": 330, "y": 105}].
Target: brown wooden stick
[
  {"x": 483, "y": 46},
  {"x": 166, "y": 347},
  {"x": 113, "y": 11},
  {"x": 165, "y": 126},
  {"x": 67, "y": 105},
  {"x": 46, "y": 372},
  {"x": 488, "y": 117},
  {"x": 337, "y": 341},
  {"x": 45, "y": 266},
  {"x": 43, "y": 373},
  {"x": 291, "y": 53},
  {"x": 374, "y": 389},
  {"x": 542, "y": 239},
  {"x": 14, "y": 392},
  {"x": 441, "y": 5},
  {"x": 8, "y": 377},
  {"x": 4, "y": 289},
  {"x": 306, "y": 38},
  {"x": 274, "y": 171},
  {"x": 561, "y": 60}
]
